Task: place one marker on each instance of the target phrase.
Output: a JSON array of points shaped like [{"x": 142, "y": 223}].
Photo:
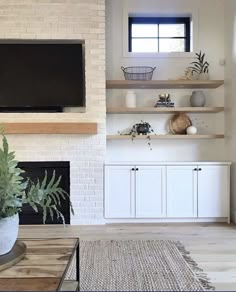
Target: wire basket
[{"x": 138, "y": 72}]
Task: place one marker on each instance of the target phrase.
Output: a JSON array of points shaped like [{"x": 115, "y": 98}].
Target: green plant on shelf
[
  {"x": 200, "y": 65},
  {"x": 140, "y": 129}
]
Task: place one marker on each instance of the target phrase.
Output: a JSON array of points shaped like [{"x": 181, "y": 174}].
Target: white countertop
[{"x": 168, "y": 163}]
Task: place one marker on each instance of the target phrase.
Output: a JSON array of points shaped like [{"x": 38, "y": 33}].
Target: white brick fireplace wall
[{"x": 66, "y": 19}]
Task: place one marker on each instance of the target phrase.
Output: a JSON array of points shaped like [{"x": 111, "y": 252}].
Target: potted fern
[{"x": 16, "y": 191}]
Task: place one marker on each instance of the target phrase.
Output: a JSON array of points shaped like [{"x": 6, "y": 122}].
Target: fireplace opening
[{"x": 36, "y": 170}]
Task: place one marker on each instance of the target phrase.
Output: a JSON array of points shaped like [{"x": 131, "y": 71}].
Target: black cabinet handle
[
  {"x": 133, "y": 169},
  {"x": 195, "y": 169},
  {"x": 200, "y": 169},
  {"x": 137, "y": 169}
]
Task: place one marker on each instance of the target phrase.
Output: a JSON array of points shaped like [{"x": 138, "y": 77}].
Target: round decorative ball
[{"x": 191, "y": 130}]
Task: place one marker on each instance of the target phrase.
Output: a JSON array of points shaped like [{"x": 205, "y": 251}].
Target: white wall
[
  {"x": 230, "y": 89},
  {"x": 209, "y": 27}
]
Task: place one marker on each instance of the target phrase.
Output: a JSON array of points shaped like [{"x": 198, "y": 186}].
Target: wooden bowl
[{"x": 179, "y": 123}]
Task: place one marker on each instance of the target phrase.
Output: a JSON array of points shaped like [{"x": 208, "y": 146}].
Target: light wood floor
[{"x": 212, "y": 246}]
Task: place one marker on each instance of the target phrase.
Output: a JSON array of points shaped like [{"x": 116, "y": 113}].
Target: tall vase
[{"x": 197, "y": 99}]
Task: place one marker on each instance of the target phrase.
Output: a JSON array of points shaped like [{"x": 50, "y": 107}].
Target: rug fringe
[{"x": 202, "y": 277}]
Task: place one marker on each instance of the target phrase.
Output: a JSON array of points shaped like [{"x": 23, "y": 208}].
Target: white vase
[
  {"x": 130, "y": 99},
  {"x": 9, "y": 228}
]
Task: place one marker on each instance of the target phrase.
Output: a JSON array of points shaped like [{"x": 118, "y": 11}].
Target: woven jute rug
[{"x": 138, "y": 265}]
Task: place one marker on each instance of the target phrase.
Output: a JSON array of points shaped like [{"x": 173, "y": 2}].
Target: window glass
[
  {"x": 159, "y": 34},
  {"x": 172, "y": 30},
  {"x": 172, "y": 45},
  {"x": 144, "y": 45},
  {"x": 144, "y": 30}
]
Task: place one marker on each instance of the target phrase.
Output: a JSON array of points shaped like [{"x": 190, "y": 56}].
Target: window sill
[{"x": 186, "y": 55}]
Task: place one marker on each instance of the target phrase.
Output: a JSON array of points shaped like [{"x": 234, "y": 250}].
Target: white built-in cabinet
[
  {"x": 119, "y": 190},
  {"x": 213, "y": 191},
  {"x": 151, "y": 203},
  {"x": 180, "y": 191},
  {"x": 126, "y": 192}
]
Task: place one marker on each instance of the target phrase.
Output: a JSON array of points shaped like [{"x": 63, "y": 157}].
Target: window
[{"x": 159, "y": 34}]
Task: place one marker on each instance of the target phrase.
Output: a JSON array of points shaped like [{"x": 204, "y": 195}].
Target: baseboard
[{"x": 169, "y": 220}]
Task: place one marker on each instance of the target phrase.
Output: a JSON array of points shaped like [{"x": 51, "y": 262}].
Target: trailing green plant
[
  {"x": 16, "y": 190},
  {"x": 200, "y": 66},
  {"x": 146, "y": 130}
]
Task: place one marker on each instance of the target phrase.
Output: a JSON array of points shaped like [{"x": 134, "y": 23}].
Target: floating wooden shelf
[
  {"x": 163, "y": 84},
  {"x": 143, "y": 137},
  {"x": 50, "y": 128},
  {"x": 163, "y": 110}
]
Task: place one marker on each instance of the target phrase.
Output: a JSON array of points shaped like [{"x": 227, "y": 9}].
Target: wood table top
[{"x": 43, "y": 268}]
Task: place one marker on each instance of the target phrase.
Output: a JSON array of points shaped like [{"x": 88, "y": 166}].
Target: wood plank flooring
[{"x": 212, "y": 246}]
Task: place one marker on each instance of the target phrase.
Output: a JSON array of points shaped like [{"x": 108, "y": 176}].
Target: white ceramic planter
[{"x": 8, "y": 233}]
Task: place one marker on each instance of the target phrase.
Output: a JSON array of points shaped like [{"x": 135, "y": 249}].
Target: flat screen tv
[{"x": 41, "y": 75}]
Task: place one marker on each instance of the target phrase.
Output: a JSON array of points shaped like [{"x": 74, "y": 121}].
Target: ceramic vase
[
  {"x": 197, "y": 99},
  {"x": 130, "y": 99},
  {"x": 9, "y": 228}
]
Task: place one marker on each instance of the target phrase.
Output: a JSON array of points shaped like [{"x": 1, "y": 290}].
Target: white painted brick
[{"x": 60, "y": 19}]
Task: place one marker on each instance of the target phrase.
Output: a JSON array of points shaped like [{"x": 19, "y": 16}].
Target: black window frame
[{"x": 161, "y": 20}]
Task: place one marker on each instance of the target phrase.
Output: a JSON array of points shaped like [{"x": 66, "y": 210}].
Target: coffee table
[{"x": 45, "y": 266}]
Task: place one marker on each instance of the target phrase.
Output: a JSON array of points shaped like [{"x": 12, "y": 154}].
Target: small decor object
[
  {"x": 164, "y": 101},
  {"x": 142, "y": 128},
  {"x": 130, "y": 99},
  {"x": 197, "y": 99},
  {"x": 179, "y": 123},
  {"x": 14, "y": 256},
  {"x": 187, "y": 75},
  {"x": 200, "y": 67},
  {"x": 138, "y": 72},
  {"x": 191, "y": 130},
  {"x": 15, "y": 191}
]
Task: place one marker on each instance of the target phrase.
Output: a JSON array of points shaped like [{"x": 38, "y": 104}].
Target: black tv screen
[{"x": 42, "y": 75}]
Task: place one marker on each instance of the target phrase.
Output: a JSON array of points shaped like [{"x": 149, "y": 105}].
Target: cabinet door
[
  {"x": 181, "y": 191},
  {"x": 213, "y": 192},
  {"x": 150, "y": 192},
  {"x": 119, "y": 192}
]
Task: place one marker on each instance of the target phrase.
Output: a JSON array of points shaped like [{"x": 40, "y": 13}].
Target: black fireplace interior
[{"x": 35, "y": 170}]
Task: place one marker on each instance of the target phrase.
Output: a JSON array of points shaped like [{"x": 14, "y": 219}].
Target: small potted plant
[
  {"x": 16, "y": 191},
  {"x": 141, "y": 128},
  {"x": 200, "y": 67}
]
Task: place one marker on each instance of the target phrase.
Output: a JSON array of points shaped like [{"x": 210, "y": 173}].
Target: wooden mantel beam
[{"x": 50, "y": 128}]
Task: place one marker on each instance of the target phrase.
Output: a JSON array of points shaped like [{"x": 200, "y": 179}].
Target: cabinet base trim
[{"x": 169, "y": 220}]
